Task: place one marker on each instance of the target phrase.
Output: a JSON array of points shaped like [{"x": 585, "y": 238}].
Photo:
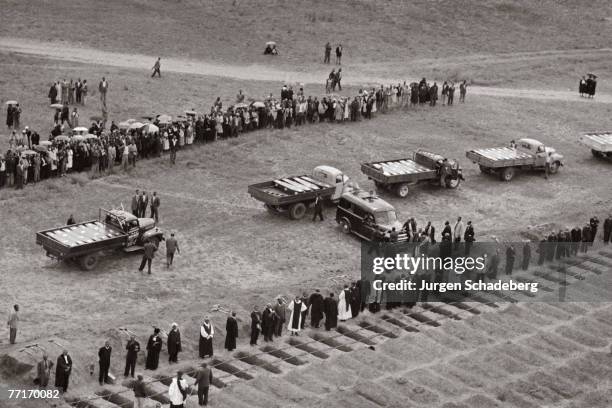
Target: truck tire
[
  {"x": 297, "y": 211},
  {"x": 402, "y": 190},
  {"x": 507, "y": 174},
  {"x": 597, "y": 154},
  {"x": 452, "y": 183},
  {"x": 88, "y": 262},
  {"x": 554, "y": 167},
  {"x": 345, "y": 225}
]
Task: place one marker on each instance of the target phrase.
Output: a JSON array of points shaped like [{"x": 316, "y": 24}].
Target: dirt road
[{"x": 258, "y": 72}]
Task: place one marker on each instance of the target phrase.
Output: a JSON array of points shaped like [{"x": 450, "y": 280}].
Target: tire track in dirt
[{"x": 257, "y": 72}]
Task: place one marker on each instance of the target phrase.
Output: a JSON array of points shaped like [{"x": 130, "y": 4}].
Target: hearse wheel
[
  {"x": 507, "y": 174},
  {"x": 345, "y": 224},
  {"x": 402, "y": 190},
  {"x": 88, "y": 262},
  {"x": 452, "y": 182},
  {"x": 297, "y": 211}
]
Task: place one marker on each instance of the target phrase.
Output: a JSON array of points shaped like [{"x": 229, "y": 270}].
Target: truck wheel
[
  {"x": 554, "y": 167},
  {"x": 297, "y": 211},
  {"x": 402, "y": 190},
  {"x": 451, "y": 182},
  {"x": 597, "y": 154},
  {"x": 345, "y": 225},
  {"x": 88, "y": 262},
  {"x": 507, "y": 174}
]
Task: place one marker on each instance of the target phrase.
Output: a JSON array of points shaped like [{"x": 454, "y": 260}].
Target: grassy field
[{"x": 234, "y": 253}]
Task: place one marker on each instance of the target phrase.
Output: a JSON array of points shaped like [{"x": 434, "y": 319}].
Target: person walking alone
[
  {"x": 203, "y": 379},
  {"x": 318, "y": 208},
  {"x": 147, "y": 256},
  {"x": 171, "y": 248},
  {"x": 156, "y": 68}
]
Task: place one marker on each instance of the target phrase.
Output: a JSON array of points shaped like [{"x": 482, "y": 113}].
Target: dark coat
[
  {"x": 174, "y": 341},
  {"x": 231, "y": 333},
  {"x": 63, "y": 371}
]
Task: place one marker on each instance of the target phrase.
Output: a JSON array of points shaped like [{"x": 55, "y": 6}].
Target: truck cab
[
  {"x": 139, "y": 230},
  {"x": 333, "y": 177},
  {"x": 541, "y": 153},
  {"x": 367, "y": 216}
]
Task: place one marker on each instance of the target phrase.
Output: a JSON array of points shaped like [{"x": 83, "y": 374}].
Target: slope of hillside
[{"x": 370, "y": 31}]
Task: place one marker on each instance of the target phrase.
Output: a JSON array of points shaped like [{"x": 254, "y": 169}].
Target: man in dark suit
[
  {"x": 255, "y": 325},
  {"x": 203, "y": 379},
  {"x": 468, "y": 237},
  {"x": 132, "y": 347},
  {"x": 607, "y": 229},
  {"x": 104, "y": 356},
  {"x": 63, "y": 369},
  {"x": 135, "y": 203},
  {"x": 143, "y": 204},
  {"x": 147, "y": 256},
  {"x": 43, "y": 369},
  {"x": 155, "y": 207},
  {"x": 330, "y": 308}
]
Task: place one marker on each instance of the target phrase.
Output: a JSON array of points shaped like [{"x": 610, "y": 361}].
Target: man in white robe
[
  {"x": 295, "y": 319},
  {"x": 344, "y": 304},
  {"x": 178, "y": 391}
]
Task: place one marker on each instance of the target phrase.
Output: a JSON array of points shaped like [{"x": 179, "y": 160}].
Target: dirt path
[{"x": 260, "y": 72}]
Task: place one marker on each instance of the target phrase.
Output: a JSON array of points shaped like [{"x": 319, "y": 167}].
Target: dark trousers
[
  {"x": 278, "y": 327},
  {"x": 103, "y": 373},
  {"x": 203, "y": 395},
  {"x": 130, "y": 366},
  {"x": 254, "y": 336},
  {"x": 468, "y": 248},
  {"x": 173, "y": 357},
  {"x": 155, "y": 214},
  {"x": 145, "y": 261},
  {"x": 13, "y": 335},
  {"x": 606, "y": 237},
  {"x": 169, "y": 258},
  {"x": 156, "y": 71},
  {"x": 318, "y": 212}
]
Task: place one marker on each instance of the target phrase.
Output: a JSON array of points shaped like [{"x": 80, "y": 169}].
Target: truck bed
[
  {"x": 289, "y": 190},
  {"x": 600, "y": 141},
  {"x": 500, "y": 157},
  {"x": 422, "y": 167},
  {"x": 80, "y": 239}
]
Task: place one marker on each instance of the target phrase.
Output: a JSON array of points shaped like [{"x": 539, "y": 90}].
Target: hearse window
[
  {"x": 526, "y": 146},
  {"x": 339, "y": 178},
  {"x": 540, "y": 149}
]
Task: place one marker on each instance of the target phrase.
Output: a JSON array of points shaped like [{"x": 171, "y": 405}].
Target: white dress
[
  {"x": 69, "y": 160},
  {"x": 344, "y": 307}
]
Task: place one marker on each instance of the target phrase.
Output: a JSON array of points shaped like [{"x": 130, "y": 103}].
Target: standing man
[
  {"x": 607, "y": 229},
  {"x": 458, "y": 232},
  {"x": 135, "y": 203},
  {"x": 43, "y": 368},
  {"x": 318, "y": 208},
  {"x": 171, "y": 248},
  {"x": 255, "y": 325},
  {"x": 177, "y": 392},
  {"x": 327, "y": 53},
  {"x": 203, "y": 379},
  {"x": 144, "y": 203},
  {"x": 231, "y": 332},
  {"x": 174, "y": 344},
  {"x": 63, "y": 368},
  {"x": 104, "y": 356},
  {"x": 468, "y": 237},
  {"x": 147, "y": 256},
  {"x": 280, "y": 312},
  {"x": 526, "y": 256},
  {"x": 12, "y": 323},
  {"x": 133, "y": 348},
  {"x": 267, "y": 323},
  {"x": 103, "y": 88},
  {"x": 156, "y": 68},
  {"x": 295, "y": 318},
  {"x": 206, "y": 336},
  {"x": 154, "y": 347},
  {"x": 316, "y": 303},
  {"x": 330, "y": 307},
  {"x": 155, "y": 207},
  {"x": 339, "y": 54},
  {"x": 462, "y": 91}
]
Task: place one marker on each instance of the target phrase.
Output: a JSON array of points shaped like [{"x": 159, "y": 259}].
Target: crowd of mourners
[{"x": 101, "y": 148}]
